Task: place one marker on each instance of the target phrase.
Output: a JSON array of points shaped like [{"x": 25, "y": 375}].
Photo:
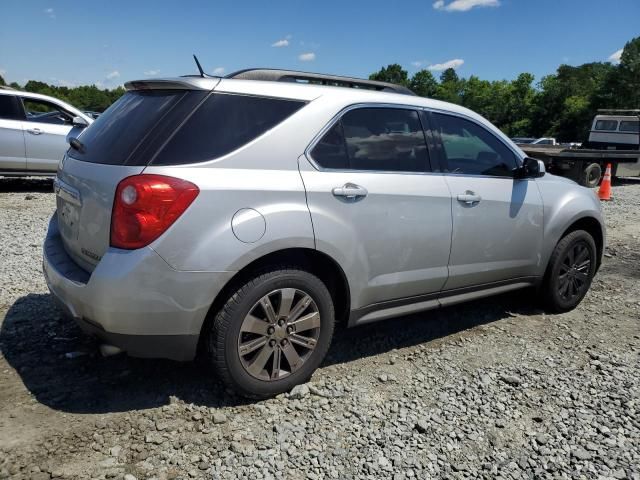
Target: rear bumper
[{"x": 133, "y": 299}]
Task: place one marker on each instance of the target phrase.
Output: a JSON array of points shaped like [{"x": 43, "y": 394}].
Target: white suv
[{"x": 33, "y": 131}]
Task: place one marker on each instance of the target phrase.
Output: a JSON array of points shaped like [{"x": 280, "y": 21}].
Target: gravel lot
[{"x": 491, "y": 389}]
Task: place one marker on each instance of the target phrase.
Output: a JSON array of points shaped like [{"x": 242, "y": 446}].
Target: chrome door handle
[
  {"x": 469, "y": 198},
  {"x": 350, "y": 191},
  {"x": 34, "y": 131}
]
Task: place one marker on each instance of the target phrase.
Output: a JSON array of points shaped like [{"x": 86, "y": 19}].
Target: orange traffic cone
[{"x": 605, "y": 187}]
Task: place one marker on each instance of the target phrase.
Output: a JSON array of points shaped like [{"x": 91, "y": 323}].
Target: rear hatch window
[{"x": 172, "y": 127}]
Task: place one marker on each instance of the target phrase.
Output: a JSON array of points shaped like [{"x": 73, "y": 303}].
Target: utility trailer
[{"x": 614, "y": 138}]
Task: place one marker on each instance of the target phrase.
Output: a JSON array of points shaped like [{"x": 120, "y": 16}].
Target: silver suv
[
  {"x": 33, "y": 131},
  {"x": 243, "y": 218}
]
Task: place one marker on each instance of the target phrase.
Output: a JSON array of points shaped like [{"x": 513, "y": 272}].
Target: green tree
[
  {"x": 2, "y": 82},
  {"x": 424, "y": 84},
  {"x": 393, "y": 73},
  {"x": 450, "y": 88}
]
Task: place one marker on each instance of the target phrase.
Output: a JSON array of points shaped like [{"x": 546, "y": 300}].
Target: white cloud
[
  {"x": 417, "y": 63},
  {"x": 2, "y": 71},
  {"x": 307, "y": 57},
  {"x": 50, "y": 12},
  {"x": 151, "y": 73},
  {"x": 615, "y": 56},
  {"x": 112, "y": 75},
  {"x": 438, "y": 67},
  {"x": 464, "y": 5},
  {"x": 284, "y": 42},
  {"x": 218, "y": 71}
]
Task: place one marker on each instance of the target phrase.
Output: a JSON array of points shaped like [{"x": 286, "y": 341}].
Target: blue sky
[{"x": 68, "y": 42}]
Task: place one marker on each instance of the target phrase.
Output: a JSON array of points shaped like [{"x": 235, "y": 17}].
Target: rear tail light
[{"x": 145, "y": 206}]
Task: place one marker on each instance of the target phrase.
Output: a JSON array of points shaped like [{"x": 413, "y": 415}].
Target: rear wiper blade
[{"x": 76, "y": 144}]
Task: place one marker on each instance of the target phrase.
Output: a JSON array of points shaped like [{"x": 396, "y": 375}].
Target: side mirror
[
  {"x": 80, "y": 122},
  {"x": 530, "y": 168}
]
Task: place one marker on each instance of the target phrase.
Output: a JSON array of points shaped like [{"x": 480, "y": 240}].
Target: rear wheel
[
  {"x": 591, "y": 175},
  {"x": 272, "y": 333},
  {"x": 570, "y": 271}
]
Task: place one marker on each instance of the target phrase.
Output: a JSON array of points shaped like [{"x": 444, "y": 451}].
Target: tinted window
[
  {"x": 331, "y": 150},
  {"x": 471, "y": 149},
  {"x": 41, "y": 111},
  {"x": 385, "y": 139},
  {"x": 116, "y": 134},
  {"x": 629, "y": 126},
  {"x": 10, "y": 108},
  {"x": 224, "y": 123},
  {"x": 607, "y": 125}
]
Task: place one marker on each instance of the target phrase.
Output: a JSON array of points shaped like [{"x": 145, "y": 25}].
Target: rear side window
[
  {"x": 470, "y": 149},
  {"x": 222, "y": 124},
  {"x": 116, "y": 135},
  {"x": 630, "y": 126},
  {"x": 611, "y": 125},
  {"x": 375, "y": 139},
  {"x": 10, "y": 108}
]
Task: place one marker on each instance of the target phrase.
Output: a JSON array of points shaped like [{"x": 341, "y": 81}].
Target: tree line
[{"x": 560, "y": 105}]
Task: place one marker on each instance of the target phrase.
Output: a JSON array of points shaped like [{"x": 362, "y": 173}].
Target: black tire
[
  {"x": 225, "y": 335},
  {"x": 591, "y": 175},
  {"x": 564, "y": 285}
]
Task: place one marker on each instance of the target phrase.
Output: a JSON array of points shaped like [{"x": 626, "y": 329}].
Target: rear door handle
[
  {"x": 34, "y": 131},
  {"x": 350, "y": 191},
  {"x": 469, "y": 198}
]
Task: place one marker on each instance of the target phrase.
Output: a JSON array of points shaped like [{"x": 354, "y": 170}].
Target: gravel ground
[{"x": 492, "y": 389}]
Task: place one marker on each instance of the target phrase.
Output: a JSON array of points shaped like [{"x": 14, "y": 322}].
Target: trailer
[{"x": 614, "y": 139}]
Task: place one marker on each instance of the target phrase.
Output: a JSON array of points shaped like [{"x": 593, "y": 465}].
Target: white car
[{"x": 33, "y": 131}]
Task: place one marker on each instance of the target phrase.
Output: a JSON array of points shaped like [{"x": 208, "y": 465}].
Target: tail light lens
[{"x": 145, "y": 206}]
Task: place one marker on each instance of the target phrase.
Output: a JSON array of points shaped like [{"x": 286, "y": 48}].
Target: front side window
[
  {"x": 630, "y": 126},
  {"x": 470, "y": 149},
  {"x": 611, "y": 125},
  {"x": 375, "y": 139},
  {"x": 41, "y": 111}
]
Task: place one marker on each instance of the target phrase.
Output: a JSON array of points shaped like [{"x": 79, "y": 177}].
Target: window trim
[
  {"x": 440, "y": 148},
  {"x": 356, "y": 106}
]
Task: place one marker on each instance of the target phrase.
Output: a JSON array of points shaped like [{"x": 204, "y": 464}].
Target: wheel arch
[
  {"x": 318, "y": 263},
  {"x": 592, "y": 226}
]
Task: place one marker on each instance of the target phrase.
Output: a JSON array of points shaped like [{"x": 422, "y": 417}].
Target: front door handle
[
  {"x": 469, "y": 198},
  {"x": 34, "y": 131},
  {"x": 350, "y": 191}
]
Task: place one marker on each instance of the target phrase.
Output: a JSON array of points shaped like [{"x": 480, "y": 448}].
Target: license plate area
[{"x": 69, "y": 204}]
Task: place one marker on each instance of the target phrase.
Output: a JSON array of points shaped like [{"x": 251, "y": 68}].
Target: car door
[
  {"x": 46, "y": 126},
  {"x": 497, "y": 219},
  {"x": 12, "y": 151},
  {"x": 376, "y": 205}
]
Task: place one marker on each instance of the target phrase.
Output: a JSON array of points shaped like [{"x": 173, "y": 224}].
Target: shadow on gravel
[
  {"x": 37, "y": 341},
  {"x": 9, "y": 184}
]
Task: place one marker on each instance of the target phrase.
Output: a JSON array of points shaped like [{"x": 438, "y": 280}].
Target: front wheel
[
  {"x": 272, "y": 333},
  {"x": 570, "y": 271}
]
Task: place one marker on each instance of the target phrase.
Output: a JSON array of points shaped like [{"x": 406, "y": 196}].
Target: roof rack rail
[{"x": 277, "y": 75}]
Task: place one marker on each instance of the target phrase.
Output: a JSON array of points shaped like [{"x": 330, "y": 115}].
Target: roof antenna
[{"x": 199, "y": 66}]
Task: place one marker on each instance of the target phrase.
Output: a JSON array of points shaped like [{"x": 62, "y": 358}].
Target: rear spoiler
[{"x": 181, "y": 83}]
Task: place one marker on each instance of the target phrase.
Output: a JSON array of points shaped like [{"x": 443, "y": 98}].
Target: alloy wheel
[
  {"x": 279, "y": 334},
  {"x": 573, "y": 276}
]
